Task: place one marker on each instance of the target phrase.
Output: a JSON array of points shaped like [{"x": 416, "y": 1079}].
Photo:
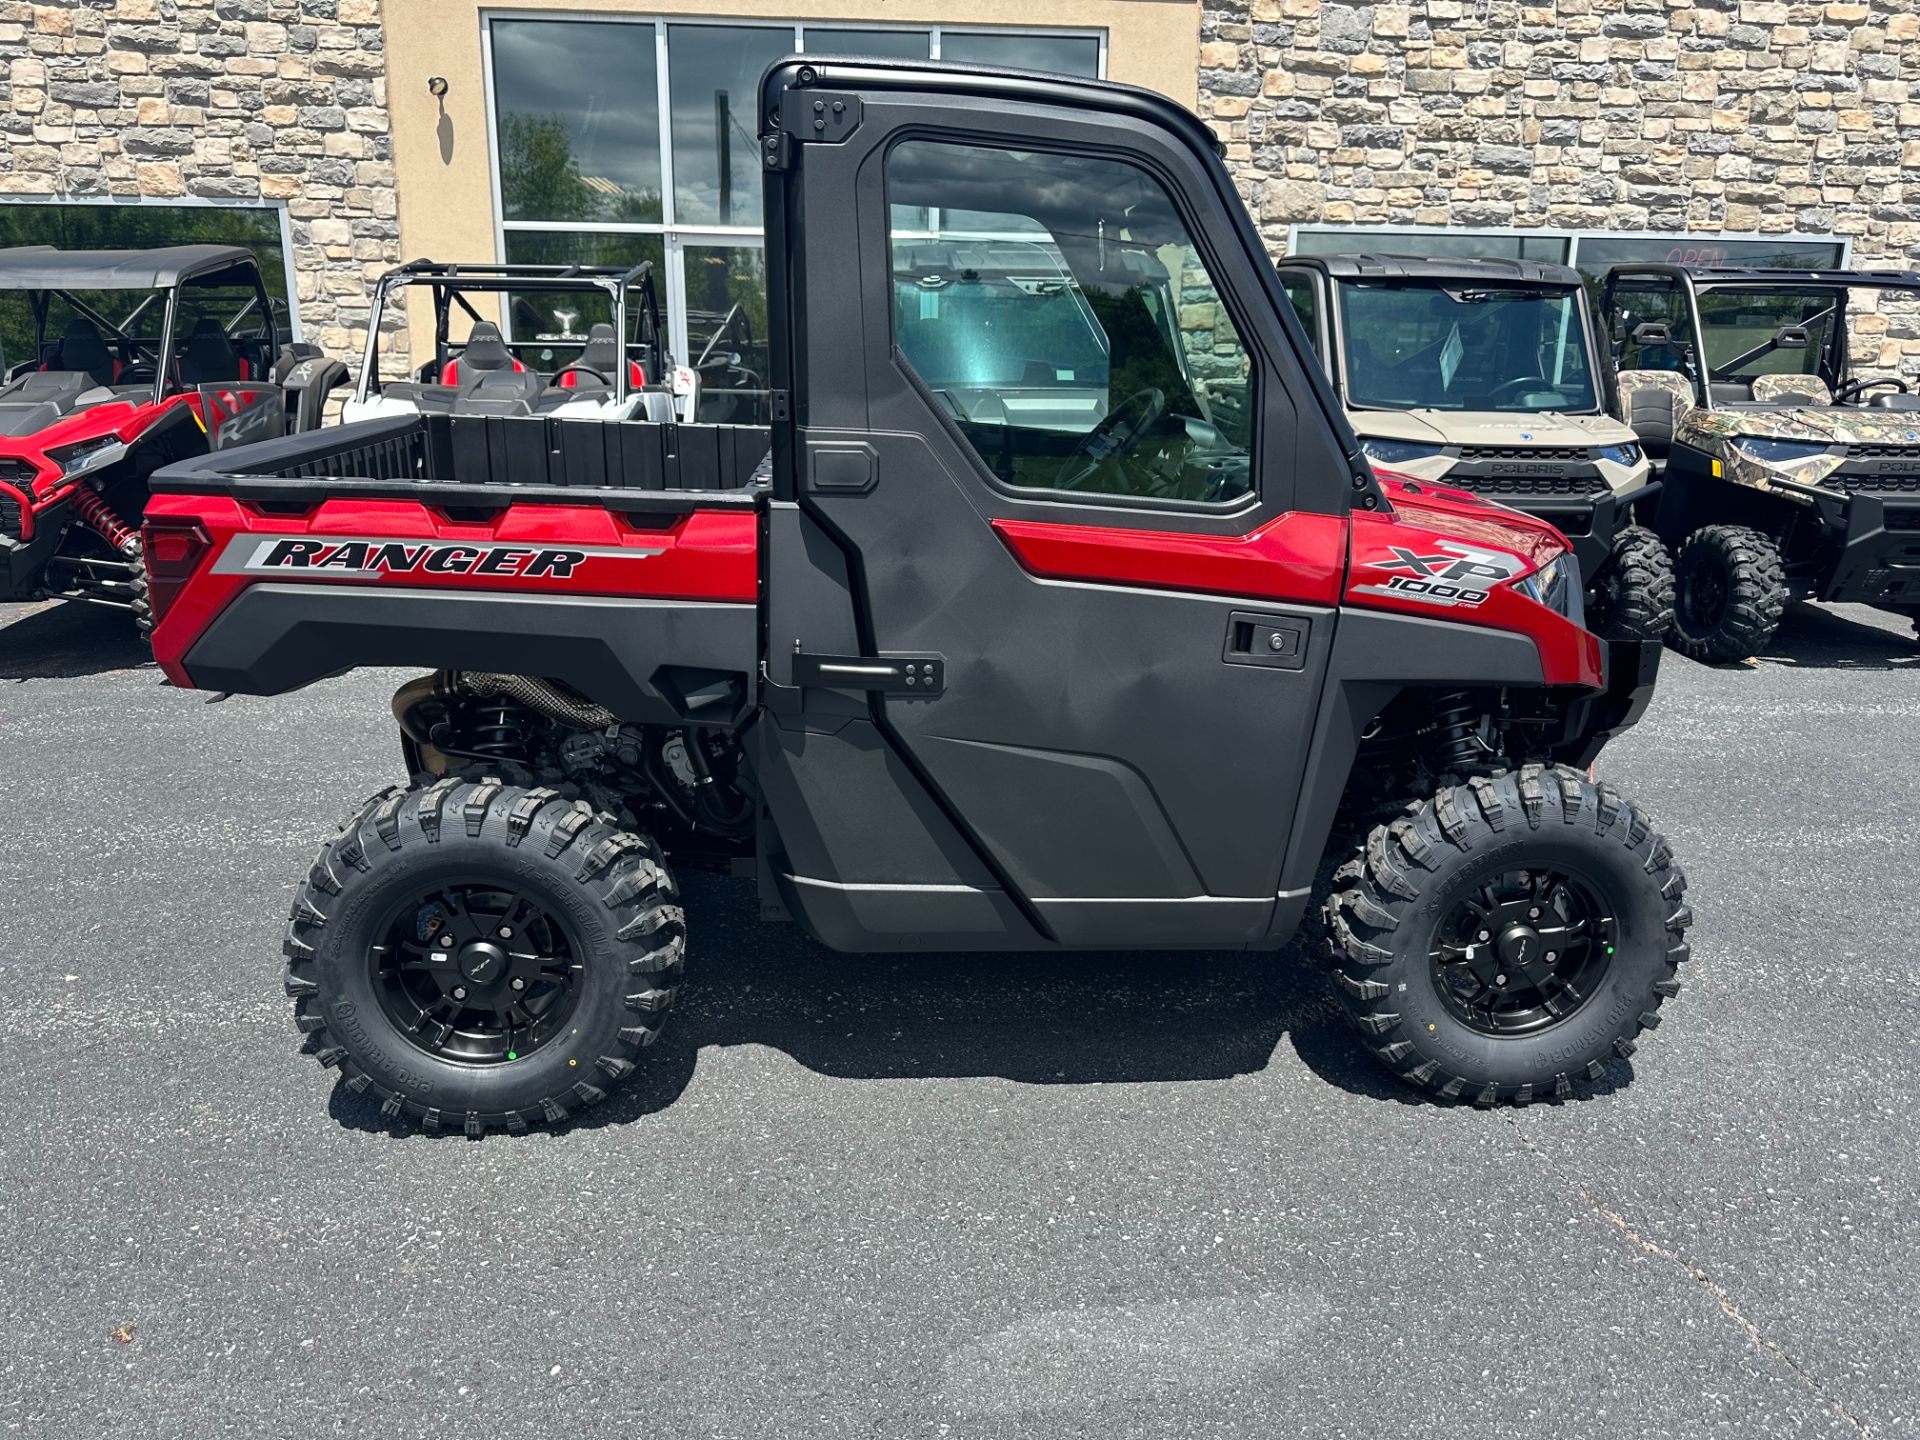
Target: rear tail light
[{"x": 173, "y": 551}]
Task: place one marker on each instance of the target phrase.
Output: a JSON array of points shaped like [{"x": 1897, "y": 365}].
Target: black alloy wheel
[
  {"x": 474, "y": 973},
  {"x": 1523, "y": 951}
]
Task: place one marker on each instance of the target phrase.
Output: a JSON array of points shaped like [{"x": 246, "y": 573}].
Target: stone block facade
[
  {"x": 1706, "y": 116},
  {"x": 261, "y": 100}
]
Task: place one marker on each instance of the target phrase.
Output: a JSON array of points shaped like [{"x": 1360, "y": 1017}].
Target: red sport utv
[
  {"x": 1070, "y": 616},
  {"x": 120, "y": 361}
]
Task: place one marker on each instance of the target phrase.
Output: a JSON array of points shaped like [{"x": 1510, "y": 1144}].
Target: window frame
[
  {"x": 1573, "y": 237},
  {"x": 1254, "y": 497},
  {"x": 676, "y": 237}
]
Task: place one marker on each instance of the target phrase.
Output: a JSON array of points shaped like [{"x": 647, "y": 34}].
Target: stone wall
[
  {"x": 263, "y": 100},
  {"x": 1720, "y": 115}
]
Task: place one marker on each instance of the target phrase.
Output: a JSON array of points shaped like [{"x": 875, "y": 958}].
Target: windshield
[
  {"x": 966, "y": 326},
  {"x": 1740, "y": 330},
  {"x": 1464, "y": 347}
]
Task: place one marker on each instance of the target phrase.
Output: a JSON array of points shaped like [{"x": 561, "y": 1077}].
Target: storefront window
[{"x": 589, "y": 172}]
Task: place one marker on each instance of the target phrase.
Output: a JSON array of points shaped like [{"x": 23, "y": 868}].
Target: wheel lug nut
[
  {"x": 1486, "y": 934},
  {"x": 446, "y": 939},
  {"x": 518, "y": 983},
  {"x": 1499, "y": 979},
  {"x": 1534, "y": 913},
  {"x": 506, "y": 932},
  {"x": 459, "y": 992},
  {"x": 1552, "y": 956}
]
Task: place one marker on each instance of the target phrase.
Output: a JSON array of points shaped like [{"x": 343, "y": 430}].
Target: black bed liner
[{"x": 487, "y": 459}]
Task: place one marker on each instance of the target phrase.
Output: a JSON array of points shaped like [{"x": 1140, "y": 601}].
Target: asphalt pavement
[{"x": 1100, "y": 1196}]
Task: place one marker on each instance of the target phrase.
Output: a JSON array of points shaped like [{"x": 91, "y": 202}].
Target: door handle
[
  {"x": 921, "y": 675},
  {"x": 1276, "y": 642}
]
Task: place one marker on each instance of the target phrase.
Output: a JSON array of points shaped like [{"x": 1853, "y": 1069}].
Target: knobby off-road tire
[
  {"x": 1632, "y": 596},
  {"x": 411, "y": 874},
  {"x": 1730, "y": 590},
  {"x": 1392, "y": 903}
]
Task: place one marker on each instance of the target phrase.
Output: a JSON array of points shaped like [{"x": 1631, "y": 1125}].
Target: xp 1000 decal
[{"x": 1449, "y": 573}]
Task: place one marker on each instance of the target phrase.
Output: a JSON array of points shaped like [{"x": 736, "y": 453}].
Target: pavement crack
[{"x": 1700, "y": 1277}]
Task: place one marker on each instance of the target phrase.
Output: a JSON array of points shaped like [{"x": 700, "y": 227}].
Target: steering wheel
[
  {"x": 1854, "y": 389},
  {"x": 1116, "y": 434},
  {"x": 578, "y": 369},
  {"x": 1525, "y": 382},
  {"x": 138, "y": 372}
]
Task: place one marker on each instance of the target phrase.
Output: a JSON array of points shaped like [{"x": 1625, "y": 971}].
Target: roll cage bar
[
  {"x": 40, "y": 298},
  {"x": 1690, "y": 280},
  {"x": 450, "y": 284}
]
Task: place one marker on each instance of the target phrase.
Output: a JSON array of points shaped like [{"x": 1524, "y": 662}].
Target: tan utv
[
  {"x": 1787, "y": 474},
  {"x": 1486, "y": 375}
]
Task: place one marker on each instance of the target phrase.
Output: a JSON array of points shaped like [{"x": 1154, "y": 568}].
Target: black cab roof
[
  {"x": 1774, "y": 275},
  {"x": 1473, "y": 270},
  {"x": 42, "y": 267}
]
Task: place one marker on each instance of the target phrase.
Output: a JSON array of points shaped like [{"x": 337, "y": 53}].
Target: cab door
[{"x": 1091, "y": 506}]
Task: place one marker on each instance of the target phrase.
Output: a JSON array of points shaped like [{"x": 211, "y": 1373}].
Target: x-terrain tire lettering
[
  {"x": 484, "y": 956},
  {"x": 1509, "y": 936}
]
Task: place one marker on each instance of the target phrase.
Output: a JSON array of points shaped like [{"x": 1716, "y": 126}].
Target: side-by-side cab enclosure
[{"x": 1001, "y": 676}]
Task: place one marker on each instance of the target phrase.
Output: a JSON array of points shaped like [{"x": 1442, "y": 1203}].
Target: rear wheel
[
  {"x": 1730, "y": 592},
  {"x": 1509, "y": 936},
  {"x": 484, "y": 956},
  {"x": 1632, "y": 596}
]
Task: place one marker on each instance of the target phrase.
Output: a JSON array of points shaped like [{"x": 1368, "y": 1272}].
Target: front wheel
[
  {"x": 1730, "y": 592},
  {"x": 1632, "y": 596},
  {"x": 1509, "y": 935},
  {"x": 484, "y": 956}
]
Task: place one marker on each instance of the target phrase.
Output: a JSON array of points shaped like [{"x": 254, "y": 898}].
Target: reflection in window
[
  {"x": 715, "y": 80},
  {"x": 578, "y": 131},
  {"x": 1431, "y": 244},
  {"x": 1063, "y": 54},
  {"x": 843, "y": 40},
  {"x": 547, "y": 328},
  {"x": 1095, "y": 356},
  {"x": 727, "y": 331}
]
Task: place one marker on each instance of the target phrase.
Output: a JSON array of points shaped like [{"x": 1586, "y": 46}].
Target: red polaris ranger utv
[
  {"x": 118, "y": 362},
  {"x": 1070, "y": 615}
]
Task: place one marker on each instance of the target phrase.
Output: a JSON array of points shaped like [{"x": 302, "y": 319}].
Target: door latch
[{"x": 922, "y": 675}]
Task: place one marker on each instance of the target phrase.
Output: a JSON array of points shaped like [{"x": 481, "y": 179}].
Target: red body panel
[
  {"x": 1299, "y": 557},
  {"x": 1322, "y": 560},
  {"x": 706, "y": 555}
]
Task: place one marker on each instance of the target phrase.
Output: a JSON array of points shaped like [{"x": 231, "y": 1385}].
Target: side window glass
[
  {"x": 1635, "y": 307},
  {"x": 1300, "y": 292},
  {"x": 1060, "y": 313}
]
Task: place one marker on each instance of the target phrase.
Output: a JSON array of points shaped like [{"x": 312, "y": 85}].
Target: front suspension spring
[{"x": 95, "y": 510}]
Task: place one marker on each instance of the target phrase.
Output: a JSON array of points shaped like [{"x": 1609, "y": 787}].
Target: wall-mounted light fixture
[{"x": 436, "y": 85}]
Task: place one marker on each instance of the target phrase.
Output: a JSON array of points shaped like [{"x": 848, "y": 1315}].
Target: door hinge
[
  {"x": 818, "y": 117},
  {"x": 922, "y": 675},
  {"x": 781, "y": 403}
]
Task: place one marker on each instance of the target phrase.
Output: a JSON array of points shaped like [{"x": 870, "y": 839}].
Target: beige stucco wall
[{"x": 441, "y": 162}]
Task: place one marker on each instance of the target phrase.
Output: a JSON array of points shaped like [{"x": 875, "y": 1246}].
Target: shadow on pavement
[
  {"x": 1816, "y": 637},
  {"x": 67, "y": 639},
  {"x": 1038, "y": 1019}
]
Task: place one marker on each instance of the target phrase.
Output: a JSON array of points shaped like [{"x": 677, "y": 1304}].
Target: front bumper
[
  {"x": 1870, "y": 547},
  {"x": 23, "y": 561},
  {"x": 1632, "y": 667}
]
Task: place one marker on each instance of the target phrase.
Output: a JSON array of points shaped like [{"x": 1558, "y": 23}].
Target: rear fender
[{"x": 652, "y": 616}]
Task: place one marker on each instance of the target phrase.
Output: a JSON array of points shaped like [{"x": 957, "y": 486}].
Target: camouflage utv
[
  {"x": 1787, "y": 473},
  {"x": 1486, "y": 375}
]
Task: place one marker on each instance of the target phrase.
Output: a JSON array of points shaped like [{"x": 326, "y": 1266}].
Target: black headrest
[
  {"x": 81, "y": 348},
  {"x": 498, "y": 392},
  {"x": 484, "y": 350},
  {"x": 602, "y": 350},
  {"x": 208, "y": 354}
]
